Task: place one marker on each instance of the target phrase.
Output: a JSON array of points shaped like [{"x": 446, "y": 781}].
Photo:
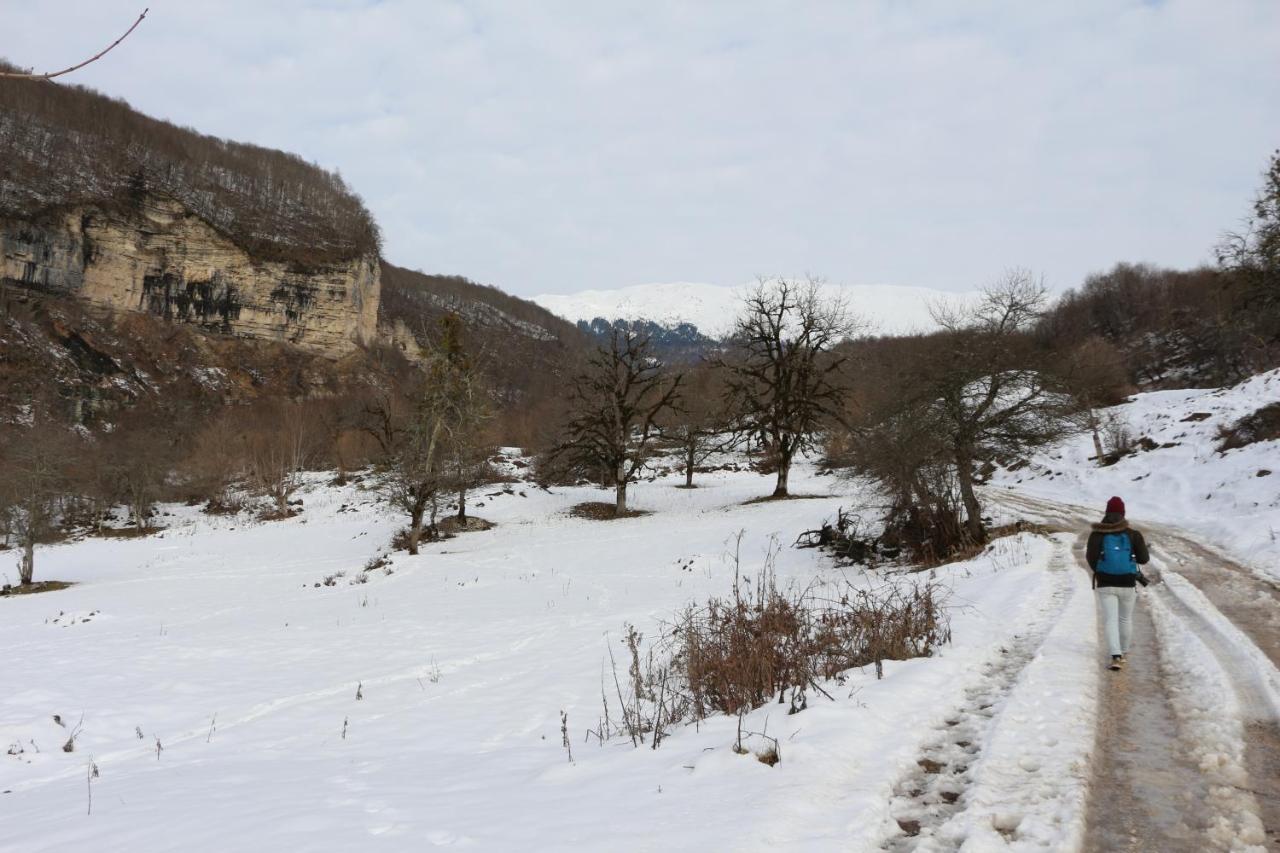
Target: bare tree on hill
[{"x": 1253, "y": 257}]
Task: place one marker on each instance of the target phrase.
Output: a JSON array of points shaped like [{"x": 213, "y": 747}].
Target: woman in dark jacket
[{"x": 1114, "y": 552}]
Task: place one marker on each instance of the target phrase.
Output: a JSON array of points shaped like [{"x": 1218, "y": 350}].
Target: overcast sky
[{"x": 558, "y": 146}]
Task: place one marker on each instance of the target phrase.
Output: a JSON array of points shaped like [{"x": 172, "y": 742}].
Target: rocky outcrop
[{"x": 155, "y": 256}]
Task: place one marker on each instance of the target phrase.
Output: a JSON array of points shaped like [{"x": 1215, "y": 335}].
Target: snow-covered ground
[
  {"x": 1230, "y": 498},
  {"x": 713, "y": 308},
  {"x": 212, "y": 682}
]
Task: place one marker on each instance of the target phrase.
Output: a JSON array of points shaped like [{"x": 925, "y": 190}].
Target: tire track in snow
[
  {"x": 1200, "y": 687},
  {"x": 928, "y": 802},
  {"x": 1245, "y": 770}
]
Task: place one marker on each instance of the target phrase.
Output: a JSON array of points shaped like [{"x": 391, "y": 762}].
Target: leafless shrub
[
  {"x": 1117, "y": 438},
  {"x": 70, "y": 745},
  {"x": 763, "y": 643}
]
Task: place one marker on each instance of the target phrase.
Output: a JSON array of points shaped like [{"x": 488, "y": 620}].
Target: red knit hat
[{"x": 1115, "y": 506}]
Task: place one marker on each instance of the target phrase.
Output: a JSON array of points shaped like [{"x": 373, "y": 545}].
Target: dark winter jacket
[{"x": 1093, "y": 552}]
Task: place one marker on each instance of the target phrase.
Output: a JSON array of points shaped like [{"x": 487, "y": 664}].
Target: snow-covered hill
[
  {"x": 1178, "y": 472},
  {"x": 890, "y": 309}
]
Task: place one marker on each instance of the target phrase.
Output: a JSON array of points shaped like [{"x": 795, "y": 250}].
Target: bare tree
[
  {"x": 1093, "y": 373},
  {"x": 140, "y": 453},
  {"x": 33, "y": 481},
  {"x": 468, "y": 443},
  {"x": 28, "y": 75},
  {"x": 783, "y": 383},
  {"x": 278, "y": 450},
  {"x": 1253, "y": 256},
  {"x": 420, "y": 434},
  {"x": 983, "y": 385},
  {"x": 898, "y": 441},
  {"x": 217, "y": 458},
  {"x": 698, "y": 426},
  {"x": 616, "y": 403}
]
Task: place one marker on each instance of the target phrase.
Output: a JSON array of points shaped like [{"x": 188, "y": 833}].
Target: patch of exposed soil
[
  {"x": 33, "y": 588},
  {"x": 601, "y": 511}
]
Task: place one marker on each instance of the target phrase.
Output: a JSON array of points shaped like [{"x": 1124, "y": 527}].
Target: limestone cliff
[{"x": 154, "y": 255}]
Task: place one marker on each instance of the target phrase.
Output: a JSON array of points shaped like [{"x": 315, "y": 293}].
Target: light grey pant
[{"x": 1117, "y": 612}]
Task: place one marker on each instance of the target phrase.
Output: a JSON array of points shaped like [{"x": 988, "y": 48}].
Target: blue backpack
[{"x": 1117, "y": 555}]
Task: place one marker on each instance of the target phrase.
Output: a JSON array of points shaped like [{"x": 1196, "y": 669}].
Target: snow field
[{"x": 421, "y": 708}]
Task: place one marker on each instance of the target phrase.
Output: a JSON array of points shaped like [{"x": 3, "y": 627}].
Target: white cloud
[{"x": 564, "y": 145}]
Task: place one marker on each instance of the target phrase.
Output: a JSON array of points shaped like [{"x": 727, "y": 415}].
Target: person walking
[{"x": 1114, "y": 552}]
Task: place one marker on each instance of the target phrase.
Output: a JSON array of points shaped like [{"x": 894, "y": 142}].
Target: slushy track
[{"x": 1159, "y": 782}]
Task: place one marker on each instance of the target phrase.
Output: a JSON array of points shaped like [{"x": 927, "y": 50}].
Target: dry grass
[
  {"x": 1262, "y": 425},
  {"x": 33, "y": 588},
  {"x": 764, "y": 643}
]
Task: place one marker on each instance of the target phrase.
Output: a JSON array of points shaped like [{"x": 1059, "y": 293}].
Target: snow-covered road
[{"x": 1187, "y": 749}]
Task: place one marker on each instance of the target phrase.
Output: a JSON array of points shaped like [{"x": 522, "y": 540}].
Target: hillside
[
  {"x": 523, "y": 347},
  {"x": 67, "y": 146},
  {"x": 141, "y": 260}
]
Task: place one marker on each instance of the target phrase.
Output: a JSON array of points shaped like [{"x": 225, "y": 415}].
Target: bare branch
[{"x": 50, "y": 75}]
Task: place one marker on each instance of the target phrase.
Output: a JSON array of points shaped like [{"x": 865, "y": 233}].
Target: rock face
[{"x": 156, "y": 256}]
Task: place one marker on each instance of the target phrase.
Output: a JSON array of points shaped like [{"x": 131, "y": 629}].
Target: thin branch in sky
[{"x": 50, "y": 75}]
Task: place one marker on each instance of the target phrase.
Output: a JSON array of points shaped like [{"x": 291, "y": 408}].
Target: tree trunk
[
  {"x": 688, "y": 468},
  {"x": 972, "y": 509},
  {"x": 415, "y": 527},
  {"x": 27, "y": 568},
  {"x": 462, "y": 505},
  {"x": 1097, "y": 438},
  {"x": 620, "y": 506},
  {"x": 784, "y": 472}
]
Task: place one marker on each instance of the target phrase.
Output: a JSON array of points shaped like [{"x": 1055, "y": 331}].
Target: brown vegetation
[
  {"x": 761, "y": 644},
  {"x": 1262, "y": 425}
]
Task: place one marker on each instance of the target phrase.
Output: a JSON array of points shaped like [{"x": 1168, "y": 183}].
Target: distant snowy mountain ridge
[{"x": 889, "y": 309}]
